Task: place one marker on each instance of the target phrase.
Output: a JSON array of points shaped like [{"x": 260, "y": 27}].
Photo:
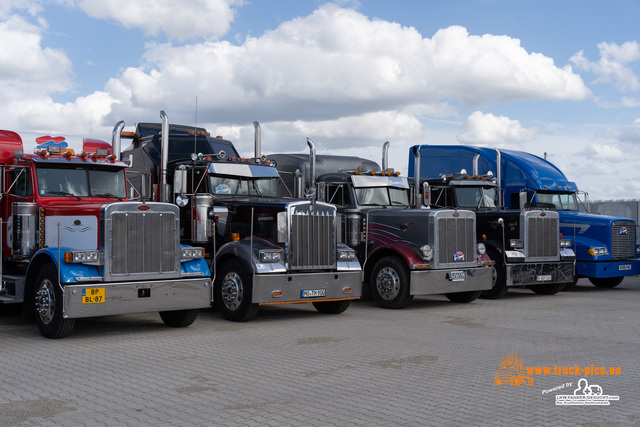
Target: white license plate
[
  {"x": 625, "y": 267},
  {"x": 544, "y": 278},
  {"x": 313, "y": 293},
  {"x": 457, "y": 276}
]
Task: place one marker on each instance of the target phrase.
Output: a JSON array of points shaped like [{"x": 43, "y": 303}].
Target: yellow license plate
[{"x": 93, "y": 295}]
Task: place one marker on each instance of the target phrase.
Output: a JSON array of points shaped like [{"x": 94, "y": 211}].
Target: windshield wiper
[
  {"x": 108, "y": 195},
  {"x": 64, "y": 193}
]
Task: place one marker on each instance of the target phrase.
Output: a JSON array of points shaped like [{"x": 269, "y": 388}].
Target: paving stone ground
[{"x": 431, "y": 364}]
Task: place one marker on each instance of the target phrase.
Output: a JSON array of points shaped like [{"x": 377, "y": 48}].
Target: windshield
[
  {"x": 382, "y": 196},
  {"x": 261, "y": 187},
  {"x": 561, "y": 201},
  {"x": 80, "y": 181},
  {"x": 476, "y": 197}
]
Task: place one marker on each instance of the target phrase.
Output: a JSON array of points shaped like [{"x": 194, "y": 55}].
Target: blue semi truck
[{"x": 605, "y": 246}]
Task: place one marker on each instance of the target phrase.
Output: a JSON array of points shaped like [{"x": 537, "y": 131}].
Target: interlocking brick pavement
[{"x": 432, "y": 363}]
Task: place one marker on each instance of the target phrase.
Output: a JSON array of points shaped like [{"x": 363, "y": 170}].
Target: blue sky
[{"x": 560, "y": 77}]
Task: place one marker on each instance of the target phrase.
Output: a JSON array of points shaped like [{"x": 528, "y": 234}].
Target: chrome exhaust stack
[
  {"x": 476, "y": 159},
  {"x": 257, "y": 140},
  {"x": 416, "y": 176},
  {"x": 385, "y": 156},
  {"x": 312, "y": 168},
  {"x": 164, "y": 158},
  {"x": 116, "y": 139},
  {"x": 499, "y": 176}
]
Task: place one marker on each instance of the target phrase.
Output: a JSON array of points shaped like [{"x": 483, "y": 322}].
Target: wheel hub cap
[
  {"x": 232, "y": 290},
  {"x": 388, "y": 283},
  {"x": 45, "y": 301}
]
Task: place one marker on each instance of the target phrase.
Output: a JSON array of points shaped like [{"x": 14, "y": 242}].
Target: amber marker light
[
  {"x": 235, "y": 236},
  {"x": 276, "y": 294}
]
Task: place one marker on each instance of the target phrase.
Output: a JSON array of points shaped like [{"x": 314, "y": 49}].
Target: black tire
[
  {"x": 48, "y": 304},
  {"x": 233, "y": 289},
  {"x": 549, "y": 289},
  {"x": 569, "y": 286},
  {"x": 389, "y": 283},
  {"x": 179, "y": 318},
  {"x": 606, "y": 282},
  {"x": 332, "y": 307},
  {"x": 463, "y": 297},
  {"x": 499, "y": 288}
]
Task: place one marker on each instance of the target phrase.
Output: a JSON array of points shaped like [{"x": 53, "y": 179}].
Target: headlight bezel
[
  {"x": 427, "y": 252},
  {"x": 271, "y": 256}
]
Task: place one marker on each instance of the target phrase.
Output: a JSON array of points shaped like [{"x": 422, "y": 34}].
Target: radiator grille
[
  {"x": 143, "y": 243},
  {"x": 456, "y": 237},
  {"x": 542, "y": 237},
  {"x": 623, "y": 239},
  {"x": 312, "y": 238}
]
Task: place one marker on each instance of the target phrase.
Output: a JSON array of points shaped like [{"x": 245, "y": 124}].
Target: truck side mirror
[
  {"x": 523, "y": 200},
  {"x": 321, "y": 192},
  {"x": 426, "y": 194},
  {"x": 180, "y": 180}
]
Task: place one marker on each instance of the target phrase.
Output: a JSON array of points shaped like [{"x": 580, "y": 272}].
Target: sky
[{"x": 542, "y": 76}]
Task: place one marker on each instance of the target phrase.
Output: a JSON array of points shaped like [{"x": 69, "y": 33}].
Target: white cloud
[
  {"x": 604, "y": 153},
  {"x": 478, "y": 69},
  {"x": 7, "y": 7},
  {"x": 612, "y": 66},
  {"x": 498, "y": 131},
  {"x": 337, "y": 76},
  {"x": 335, "y": 63},
  {"x": 182, "y": 20},
  {"x": 26, "y": 67},
  {"x": 350, "y": 133}
]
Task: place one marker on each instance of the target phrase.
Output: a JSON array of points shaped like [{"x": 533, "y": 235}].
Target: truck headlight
[
  {"x": 481, "y": 248},
  {"x": 346, "y": 255},
  {"x": 270, "y": 255},
  {"x": 82, "y": 256},
  {"x": 565, "y": 243},
  {"x": 427, "y": 252},
  {"x": 516, "y": 243},
  {"x": 598, "y": 251},
  {"x": 191, "y": 253}
]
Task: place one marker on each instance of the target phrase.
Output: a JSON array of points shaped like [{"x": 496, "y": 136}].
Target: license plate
[
  {"x": 313, "y": 293},
  {"x": 93, "y": 295},
  {"x": 625, "y": 267},
  {"x": 457, "y": 276},
  {"x": 544, "y": 278}
]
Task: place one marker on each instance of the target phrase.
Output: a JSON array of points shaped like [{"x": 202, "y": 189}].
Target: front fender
[
  {"x": 242, "y": 249},
  {"x": 409, "y": 254}
]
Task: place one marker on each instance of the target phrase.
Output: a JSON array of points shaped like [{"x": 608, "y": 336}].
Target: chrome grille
[
  {"x": 456, "y": 238},
  {"x": 312, "y": 237},
  {"x": 623, "y": 239},
  {"x": 542, "y": 236}
]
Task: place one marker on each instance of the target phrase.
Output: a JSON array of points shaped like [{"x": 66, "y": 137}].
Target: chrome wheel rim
[
  {"x": 232, "y": 290},
  {"x": 46, "y": 301},
  {"x": 388, "y": 283}
]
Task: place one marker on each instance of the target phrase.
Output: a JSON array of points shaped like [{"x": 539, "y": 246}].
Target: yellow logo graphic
[{"x": 511, "y": 371}]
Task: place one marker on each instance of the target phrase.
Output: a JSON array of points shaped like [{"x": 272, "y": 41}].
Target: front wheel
[
  {"x": 550, "y": 289},
  {"x": 233, "y": 289},
  {"x": 390, "y": 283},
  {"x": 499, "y": 288},
  {"x": 179, "y": 318},
  {"x": 463, "y": 297},
  {"x": 332, "y": 307},
  {"x": 606, "y": 282},
  {"x": 48, "y": 304}
]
